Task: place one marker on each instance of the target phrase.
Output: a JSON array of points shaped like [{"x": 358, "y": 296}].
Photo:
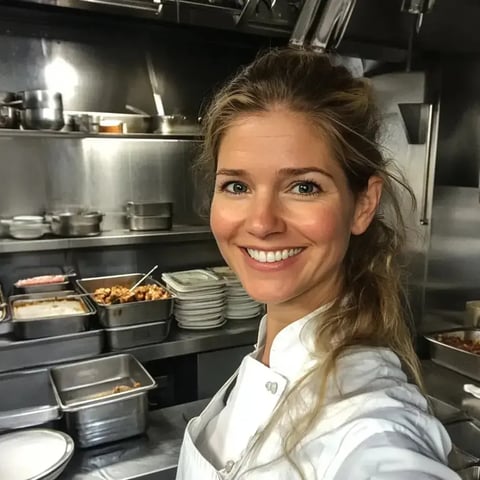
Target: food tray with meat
[
  {"x": 27, "y": 399},
  {"x": 53, "y": 282},
  {"x": 457, "y": 349},
  {"x": 43, "y": 315},
  {"x": 104, "y": 399},
  {"x": 150, "y": 302}
]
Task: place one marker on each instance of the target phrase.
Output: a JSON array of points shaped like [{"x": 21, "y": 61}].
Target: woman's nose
[{"x": 265, "y": 217}]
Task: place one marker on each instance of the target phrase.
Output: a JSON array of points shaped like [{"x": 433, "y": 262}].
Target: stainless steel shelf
[
  {"x": 235, "y": 333},
  {"x": 179, "y": 233},
  {"x": 4, "y": 132}
]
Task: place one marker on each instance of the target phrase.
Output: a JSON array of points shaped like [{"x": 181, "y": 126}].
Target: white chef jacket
[{"x": 375, "y": 424}]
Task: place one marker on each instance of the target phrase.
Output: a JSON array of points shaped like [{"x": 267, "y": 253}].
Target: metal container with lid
[{"x": 76, "y": 223}]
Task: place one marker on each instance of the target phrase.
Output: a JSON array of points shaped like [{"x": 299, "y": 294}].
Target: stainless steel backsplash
[{"x": 41, "y": 174}]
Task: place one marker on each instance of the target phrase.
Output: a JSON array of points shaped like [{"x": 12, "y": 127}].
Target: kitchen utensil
[
  {"x": 42, "y": 119},
  {"x": 40, "y": 99},
  {"x": 143, "y": 278},
  {"x": 158, "y": 209},
  {"x": 470, "y": 473},
  {"x": 472, "y": 310},
  {"x": 27, "y": 399},
  {"x": 26, "y": 230},
  {"x": 94, "y": 413},
  {"x": 157, "y": 99},
  {"x": 147, "y": 223},
  {"x": 454, "y": 358},
  {"x": 50, "y": 325},
  {"x": 76, "y": 223},
  {"x": 9, "y": 117},
  {"x": 34, "y": 454},
  {"x": 131, "y": 336},
  {"x": 133, "y": 313}
]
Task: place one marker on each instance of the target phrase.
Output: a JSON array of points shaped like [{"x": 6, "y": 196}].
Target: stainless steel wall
[{"x": 42, "y": 174}]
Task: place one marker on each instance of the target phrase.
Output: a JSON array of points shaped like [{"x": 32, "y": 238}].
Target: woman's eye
[
  {"x": 306, "y": 188},
  {"x": 235, "y": 187}
]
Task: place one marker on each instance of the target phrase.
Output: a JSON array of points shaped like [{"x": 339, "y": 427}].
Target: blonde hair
[{"x": 371, "y": 309}]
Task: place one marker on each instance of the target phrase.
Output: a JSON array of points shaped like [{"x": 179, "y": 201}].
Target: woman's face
[{"x": 282, "y": 212}]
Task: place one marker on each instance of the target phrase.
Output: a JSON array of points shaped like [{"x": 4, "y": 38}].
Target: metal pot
[
  {"x": 9, "y": 117},
  {"x": 76, "y": 224},
  {"x": 42, "y": 119},
  {"x": 41, "y": 99}
]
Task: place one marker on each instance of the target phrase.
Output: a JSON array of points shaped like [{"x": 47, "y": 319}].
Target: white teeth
[{"x": 272, "y": 256}]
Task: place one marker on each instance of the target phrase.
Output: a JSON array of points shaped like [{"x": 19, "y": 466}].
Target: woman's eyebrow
[
  {"x": 293, "y": 172},
  {"x": 231, "y": 172}
]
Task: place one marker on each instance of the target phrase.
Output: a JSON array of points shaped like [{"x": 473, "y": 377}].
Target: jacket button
[
  {"x": 229, "y": 465},
  {"x": 272, "y": 387}
]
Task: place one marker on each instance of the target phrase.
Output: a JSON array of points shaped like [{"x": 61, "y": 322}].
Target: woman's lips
[{"x": 266, "y": 260}]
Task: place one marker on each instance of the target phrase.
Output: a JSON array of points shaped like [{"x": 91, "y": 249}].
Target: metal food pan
[
  {"x": 17, "y": 354},
  {"x": 89, "y": 382},
  {"x": 471, "y": 473},
  {"x": 120, "y": 315},
  {"x": 161, "y": 209},
  {"x": 27, "y": 399},
  {"x": 108, "y": 422},
  {"x": 138, "y": 223},
  {"x": 442, "y": 410},
  {"x": 48, "y": 287},
  {"x": 465, "y": 435},
  {"x": 50, "y": 326},
  {"x": 454, "y": 358},
  {"x": 121, "y": 338}
]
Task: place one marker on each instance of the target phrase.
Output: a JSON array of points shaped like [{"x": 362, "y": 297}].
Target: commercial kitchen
[{"x": 100, "y": 106}]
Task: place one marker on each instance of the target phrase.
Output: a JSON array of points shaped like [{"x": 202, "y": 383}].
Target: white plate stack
[
  {"x": 239, "y": 304},
  {"x": 200, "y": 298}
]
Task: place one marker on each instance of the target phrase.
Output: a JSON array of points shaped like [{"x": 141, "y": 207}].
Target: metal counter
[{"x": 152, "y": 456}]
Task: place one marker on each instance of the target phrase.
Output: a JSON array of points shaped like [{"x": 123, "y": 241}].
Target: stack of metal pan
[
  {"x": 149, "y": 216},
  {"x": 129, "y": 325},
  {"x": 104, "y": 399}
]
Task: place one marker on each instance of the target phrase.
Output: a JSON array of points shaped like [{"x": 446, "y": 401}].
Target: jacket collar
[{"x": 290, "y": 355}]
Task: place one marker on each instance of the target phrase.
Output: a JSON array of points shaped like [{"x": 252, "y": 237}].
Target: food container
[
  {"x": 455, "y": 358},
  {"x": 44, "y": 287},
  {"x": 40, "y": 99},
  {"x": 162, "y": 209},
  {"x": 471, "y": 473},
  {"x": 73, "y": 319},
  {"x": 93, "y": 413},
  {"x": 442, "y": 410},
  {"x": 41, "y": 119},
  {"x": 112, "y": 316},
  {"x": 145, "y": 223},
  {"x": 121, "y": 338},
  {"x": 27, "y": 399},
  {"x": 49, "y": 350},
  {"x": 26, "y": 227},
  {"x": 76, "y": 223},
  {"x": 9, "y": 117},
  {"x": 465, "y": 435}
]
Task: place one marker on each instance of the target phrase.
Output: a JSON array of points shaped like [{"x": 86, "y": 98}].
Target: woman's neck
[{"x": 281, "y": 315}]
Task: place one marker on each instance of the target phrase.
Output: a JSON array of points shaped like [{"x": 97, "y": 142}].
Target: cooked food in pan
[
  {"x": 472, "y": 346},
  {"x": 41, "y": 280},
  {"x": 118, "y": 294},
  {"x": 114, "y": 390},
  {"x": 27, "y": 309}
]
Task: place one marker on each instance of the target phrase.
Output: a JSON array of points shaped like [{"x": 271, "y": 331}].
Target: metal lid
[{"x": 33, "y": 454}]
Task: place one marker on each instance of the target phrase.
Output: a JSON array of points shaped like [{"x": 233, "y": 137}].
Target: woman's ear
[{"x": 367, "y": 204}]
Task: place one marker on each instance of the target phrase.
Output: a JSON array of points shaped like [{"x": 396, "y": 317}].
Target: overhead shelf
[{"x": 179, "y": 233}]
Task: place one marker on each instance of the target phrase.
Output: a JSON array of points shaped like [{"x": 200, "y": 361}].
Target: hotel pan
[
  {"x": 454, "y": 358},
  {"x": 465, "y": 435},
  {"x": 141, "y": 224},
  {"x": 93, "y": 420},
  {"x": 120, "y": 315},
  {"x": 50, "y": 326},
  {"x": 121, "y": 338},
  {"x": 160, "y": 209},
  {"x": 27, "y": 399}
]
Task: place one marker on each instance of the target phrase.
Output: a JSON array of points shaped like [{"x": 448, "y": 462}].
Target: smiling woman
[{"x": 305, "y": 209}]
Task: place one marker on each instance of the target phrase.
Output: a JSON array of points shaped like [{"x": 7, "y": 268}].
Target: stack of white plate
[
  {"x": 239, "y": 304},
  {"x": 200, "y": 298}
]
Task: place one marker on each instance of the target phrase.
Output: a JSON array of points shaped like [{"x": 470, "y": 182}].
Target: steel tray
[
  {"x": 454, "y": 358},
  {"x": 48, "y": 287},
  {"x": 120, "y": 315},
  {"x": 465, "y": 435},
  {"x": 131, "y": 336},
  {"x": 17, "y": 354},
  {"x": 27, "y": 399},
  {"x": 50, "y": 326}
]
